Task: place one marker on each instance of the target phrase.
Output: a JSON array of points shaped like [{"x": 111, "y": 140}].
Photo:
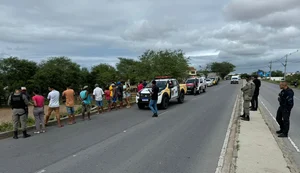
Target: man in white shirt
[
  {"x": 53, "y": 98},
  {"x": 98, "y": 96}
]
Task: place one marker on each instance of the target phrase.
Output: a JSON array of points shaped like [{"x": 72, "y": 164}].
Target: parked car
[
  {"x": 169, "y": 90},
  {"x": 209, "y": 82},
  {"x": 200, "y": 85}
]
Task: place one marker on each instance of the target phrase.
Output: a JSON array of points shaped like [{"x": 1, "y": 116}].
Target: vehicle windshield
[
  {"x": 190, "y": 81},
  {"x": 207, "y": 80},
  {"x": 161, "y": 85}
]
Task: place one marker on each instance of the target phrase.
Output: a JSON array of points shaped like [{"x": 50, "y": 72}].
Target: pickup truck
[
  {"x": 169, "y": 90},
  {"x": 200, "y": 85},
  {"x": 234, "y": 80}
]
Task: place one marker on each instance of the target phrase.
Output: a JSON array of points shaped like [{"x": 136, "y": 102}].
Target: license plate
[{"x": 145, "y": 100}]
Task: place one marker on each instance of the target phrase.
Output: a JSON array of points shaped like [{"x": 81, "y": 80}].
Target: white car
[{"x": 209, "y": 82}]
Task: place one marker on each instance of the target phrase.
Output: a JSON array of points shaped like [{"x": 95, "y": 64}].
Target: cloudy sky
[{"x": 248, "y": 33}]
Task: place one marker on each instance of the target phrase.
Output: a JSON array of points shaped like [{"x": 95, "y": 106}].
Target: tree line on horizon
[{"x": 62, "y": 71}]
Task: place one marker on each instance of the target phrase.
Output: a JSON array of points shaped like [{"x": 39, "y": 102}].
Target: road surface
[
  {"x": 186, "y": 138},
  {"x": 269, "y": 103}
]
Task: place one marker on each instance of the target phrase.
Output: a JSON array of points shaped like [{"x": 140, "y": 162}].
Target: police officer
[
  {"x": 248, "y": 91},
  {"x": 18, "y": 102},
  {"x": 286, "y": 102},
  {"x": 24, "y": 91}
]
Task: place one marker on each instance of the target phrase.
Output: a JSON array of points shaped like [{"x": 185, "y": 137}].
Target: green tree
[
  {"x": 128, "y": 69},
  {"x": 277, "y": 73},
  {"x": 104, "y": 74},
  {"x": 57, "y": 72},
  {"x": 85, "y": 77},
  {"x": 244, "y": 75},
  {"x": 164, "y": 63},
  {"x": 222, "y": 68},
  {"x": 16, "y": 73},
  {"x": 205, "y": 71}
]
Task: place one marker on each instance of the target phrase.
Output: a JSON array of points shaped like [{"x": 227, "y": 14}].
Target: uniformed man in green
[
  {"x": 248, "y": 91},
  {"x": 18, "y": 103}
]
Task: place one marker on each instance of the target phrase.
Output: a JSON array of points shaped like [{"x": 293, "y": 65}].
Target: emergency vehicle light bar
[{"x": 163, "y": 77}]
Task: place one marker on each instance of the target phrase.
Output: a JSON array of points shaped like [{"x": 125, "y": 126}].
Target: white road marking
[
  {"x": 225, "y": 144},
  {"x": 41, "y": 171},
  {"x": 290, "y": 139}
]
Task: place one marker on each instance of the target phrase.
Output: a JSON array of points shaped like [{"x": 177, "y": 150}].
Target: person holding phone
[{"x": 154, "y": 97}]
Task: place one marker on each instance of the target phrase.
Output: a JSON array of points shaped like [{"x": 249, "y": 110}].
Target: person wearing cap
[
  {"x": 86, "y": 101},
  {"x": 98, "y": 96},
  {"x": 24, "y": 91},
  {"x": 18, "y": 103},
  {"x": 69, "y": 95},
  {"x": 248, "y": 91},
  {"x": 53, "y": 96}
]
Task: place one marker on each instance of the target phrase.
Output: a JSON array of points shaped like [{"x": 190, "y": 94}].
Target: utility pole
[
  {"x": 285, "y": 64},
  {"x": 270, "y": 66}
]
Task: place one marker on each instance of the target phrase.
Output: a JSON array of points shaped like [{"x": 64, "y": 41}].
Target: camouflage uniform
[{"x": 248, "y": 91}]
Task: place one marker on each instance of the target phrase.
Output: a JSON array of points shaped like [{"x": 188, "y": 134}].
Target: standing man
[
  {"x": 254, "y": 101},
  {"x": 286, "y": 102},
  {"x": 248, "y": 91},
  {"x": 120, "y": 94},
  {"x": 53, "y": 96},
  {"x": 24, "y": 91},
  {"x": 98, "y": 96},
  {"x": 69, "y": 95},
  {"x": 140, "y": 86},
  {"x": 144, "y": 83},
  {"x": 18, "y": 103},
  {"x": 154, "y": 96},
  {"x": 86, "y": 102}
]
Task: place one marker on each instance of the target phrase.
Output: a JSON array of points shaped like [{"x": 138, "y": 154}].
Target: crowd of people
[
  {"x": 285, "y": 99},
  {"x": 20, "y": 100}
]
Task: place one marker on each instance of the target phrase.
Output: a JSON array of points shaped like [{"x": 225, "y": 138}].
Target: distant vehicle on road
[
  {"x": 214, "y": 80},
  {"x": 209, "y": 82},
  {"x": 200, "y": 85},
  {"x": 169, "y": 90},
  {"x": 234, "y": 80}
]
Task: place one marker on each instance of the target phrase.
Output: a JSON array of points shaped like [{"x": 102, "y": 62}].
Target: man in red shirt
[{"x": 140, "y": 86}]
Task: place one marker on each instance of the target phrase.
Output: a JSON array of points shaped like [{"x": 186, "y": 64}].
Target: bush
[{"x": 6, "y": 126}]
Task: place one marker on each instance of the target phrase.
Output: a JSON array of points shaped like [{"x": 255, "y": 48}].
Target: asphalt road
[
  {"x": 269, "y": 103},
  {"x": 186, "y": 138}
]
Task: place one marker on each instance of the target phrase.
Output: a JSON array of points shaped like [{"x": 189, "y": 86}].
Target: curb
[
  {"x": 287, "y": 153},
  {"x": 8, "y": 134}
]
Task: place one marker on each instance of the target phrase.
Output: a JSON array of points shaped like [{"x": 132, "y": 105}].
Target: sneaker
[
  {"x": 43, "y": 131},
  {"x": 37, "y": 132},
  {"x": 282, "y": 135},
  {"x": 279, "y": 131}
]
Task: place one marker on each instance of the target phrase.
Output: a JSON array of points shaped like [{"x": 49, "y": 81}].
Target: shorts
[
  {"x": 86, "y": 108},
  {"x": 70, "y": 110},
  {"x": 99, "y": 103},
  {"x": 56, "y": 110},
  {"x": 114, "y": 100},
  {"x": 128, "y": 95}
]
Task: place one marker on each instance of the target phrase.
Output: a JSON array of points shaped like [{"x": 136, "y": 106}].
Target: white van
[{"x": 234, "y": 80}]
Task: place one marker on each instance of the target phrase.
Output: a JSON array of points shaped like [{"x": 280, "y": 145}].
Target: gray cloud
[{"x": 244, "y": 32}]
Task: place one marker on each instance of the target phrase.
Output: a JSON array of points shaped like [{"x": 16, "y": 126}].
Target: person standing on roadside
[
  {"x": 254, "y": 101},
  {"x": 144, "y": 84},
  {"x": 248, "y": 91},
  {"x": 108, "y": 98},
  {"x": 127, "y": 95},
  {"x": 24, "y": 91},
  {"x": 286, "y": 102},
  {"x": 140, "y": 86},
  {"x": 98, "y": 96},
  {"x": 154, "y": 96},
  {"x": 120, "y": 94},
  {"x": 86, "y": 102},
  {"x": 69, "y": 95},
  {"x": 38, "y": 112},
  {"x": 18, "y": 103},
  {"x": 114, "y": 97},
  {"x": 53, "y": 96}
]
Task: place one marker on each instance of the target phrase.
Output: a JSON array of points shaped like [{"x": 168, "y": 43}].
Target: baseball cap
[
  {"x": 23, "y": 88},
  {"x": 85, "y": 87}
]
